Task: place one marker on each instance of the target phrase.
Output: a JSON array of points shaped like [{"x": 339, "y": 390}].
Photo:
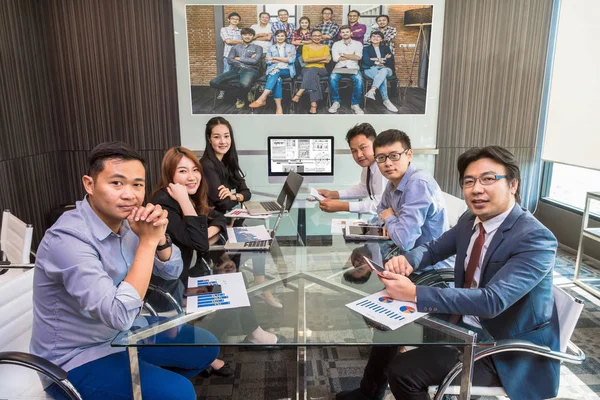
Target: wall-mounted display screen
[{"x": 305, "y": 155}]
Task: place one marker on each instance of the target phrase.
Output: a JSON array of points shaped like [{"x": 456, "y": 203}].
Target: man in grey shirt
[
  {"x": 92, "y": 271},
  {"x": 244, "y": 60}
]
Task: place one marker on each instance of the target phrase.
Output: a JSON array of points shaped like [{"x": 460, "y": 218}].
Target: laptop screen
[{"x": 290, "y": 190}]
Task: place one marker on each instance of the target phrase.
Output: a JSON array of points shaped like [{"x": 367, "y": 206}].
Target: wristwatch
[
  {"x": 238, "y": 197},
  {"x": 168, "y": 244}
]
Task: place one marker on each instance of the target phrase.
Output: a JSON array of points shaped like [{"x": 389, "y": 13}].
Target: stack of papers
[
  {"x": 243, "y": 234},
  {"x": 233, "y": 293},
  {"x": 243, "y": 213},
  {"x": 381, "y": 308}
]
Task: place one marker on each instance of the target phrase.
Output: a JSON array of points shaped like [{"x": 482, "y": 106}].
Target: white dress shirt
[
  {"x": 491, "y": 227},
  {"x": 340, "y": 47},
  {"x": 378, "y": 184}
]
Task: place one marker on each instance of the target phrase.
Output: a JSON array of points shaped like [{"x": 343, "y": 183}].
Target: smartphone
[
  {"x": 378, "y": 269},
  {"x": 200, "y": 290}
]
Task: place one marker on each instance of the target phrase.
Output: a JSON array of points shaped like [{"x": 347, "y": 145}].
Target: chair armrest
[
  {"x": 33, "y": 362},
  {"x": 167, "y": 296},
  {"x": 503, "y": 346}
]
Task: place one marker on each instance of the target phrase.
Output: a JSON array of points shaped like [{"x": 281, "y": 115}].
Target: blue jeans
[
  {"x": 226, "y": 66},
  {"x": 245, "y": 76},
  {"x": 379, "y": 76},
  {"x": 275, "y": 81},
  {"x": 110, "y": 378},
  {"x": 357, "y": 80}
]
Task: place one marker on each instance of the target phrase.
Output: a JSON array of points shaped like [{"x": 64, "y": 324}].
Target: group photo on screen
[{"x": 308, "y": 59}]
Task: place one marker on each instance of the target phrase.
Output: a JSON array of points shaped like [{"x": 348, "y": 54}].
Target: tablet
[{"x": 365, "y": 232}]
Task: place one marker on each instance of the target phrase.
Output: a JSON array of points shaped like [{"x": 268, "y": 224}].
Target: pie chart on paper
[
  {"x": 385, "y": 299},
  {"x": 407, "y": 309}
]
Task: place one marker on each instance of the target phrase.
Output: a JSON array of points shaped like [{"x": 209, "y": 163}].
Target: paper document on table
[
  {"x": 338, "y": 225},
  {"x": 233, "y": 293},
  {"x": 381, "y": 308},
  {"x": 243, "y": 213},
  {"x": 315, "y": 193},
  {"x": 243, "y": 234}
]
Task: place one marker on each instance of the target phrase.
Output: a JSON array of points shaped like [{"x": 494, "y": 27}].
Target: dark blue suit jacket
[{"x": 514, "y": 299}]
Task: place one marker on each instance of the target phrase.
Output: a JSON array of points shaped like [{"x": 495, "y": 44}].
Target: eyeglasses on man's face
[
  {"x": 485, "y": 180},
  {"x": 380, "y": 158}
]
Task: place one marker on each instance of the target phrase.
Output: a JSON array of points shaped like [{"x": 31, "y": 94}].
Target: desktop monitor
[{"x": 309, "y": 156}]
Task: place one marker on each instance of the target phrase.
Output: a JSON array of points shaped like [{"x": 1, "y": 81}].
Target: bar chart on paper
[
  {"x": 383, "y": 309},
  {"x": 232, "y": 293}
]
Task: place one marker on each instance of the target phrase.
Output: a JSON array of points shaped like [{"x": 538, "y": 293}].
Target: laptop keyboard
[
  {"x": 270, "y": 205},
  {"x": 260, "y": 243}
]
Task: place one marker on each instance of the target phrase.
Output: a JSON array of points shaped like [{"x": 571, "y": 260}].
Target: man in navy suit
[{"x": 503, "y": 285}]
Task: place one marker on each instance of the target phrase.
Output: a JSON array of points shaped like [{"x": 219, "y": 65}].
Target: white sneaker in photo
[
  {"x": 370, "y": 95},
  {"x": 334, "y": 107},
  {"x": 388, "y": 104},
  {"x": 357, "y": 110},
  {"x": 221, "y": 95}
]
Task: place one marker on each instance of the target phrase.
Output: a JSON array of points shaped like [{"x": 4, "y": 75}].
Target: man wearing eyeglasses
[
  {"x": 502, "y": 285},
  {"x": 414, "y": 212}
]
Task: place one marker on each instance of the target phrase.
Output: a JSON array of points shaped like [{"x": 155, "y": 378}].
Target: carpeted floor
[{"x": 271, "y": 374}]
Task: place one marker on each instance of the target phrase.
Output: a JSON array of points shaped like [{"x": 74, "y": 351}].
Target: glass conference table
[{"x": 314, "y": 274}]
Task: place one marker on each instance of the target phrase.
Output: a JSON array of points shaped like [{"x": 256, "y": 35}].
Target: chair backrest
[
  {"x": 569, "y": 309},
  {"x": 15, "y": 238},
  {"x": 455, "y": 207}
]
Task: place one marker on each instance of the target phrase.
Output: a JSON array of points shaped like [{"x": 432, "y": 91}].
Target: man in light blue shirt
[
  {"x": 92, "y": 272},
  {"x": 414, "y": 212}
]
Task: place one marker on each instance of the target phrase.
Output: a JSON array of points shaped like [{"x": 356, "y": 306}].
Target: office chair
[
  {"x": 569, "y": 310},
  {"x": 260, "y": 82},
  {"x": 15, "y": 242}
]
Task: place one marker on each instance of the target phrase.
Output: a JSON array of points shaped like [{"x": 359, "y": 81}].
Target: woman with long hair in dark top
[
  {"x": 192, "y": 224},
  {"x": 222, "y": 167},
  {"x": 183, "y": 193},
  {"x": 223, "y": 175}
]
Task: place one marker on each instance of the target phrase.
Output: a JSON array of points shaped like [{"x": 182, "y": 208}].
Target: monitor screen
[{"x": 305, "y": 155}]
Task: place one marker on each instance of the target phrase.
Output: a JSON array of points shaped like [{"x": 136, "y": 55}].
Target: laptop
[
  {"x": 259, "y": 245},
  {"x": 346, "y": 71},
  {"x": 286, "y": 198}
]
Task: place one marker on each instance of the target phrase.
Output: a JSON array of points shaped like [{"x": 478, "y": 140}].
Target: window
[{"x": 568, "y": 185}]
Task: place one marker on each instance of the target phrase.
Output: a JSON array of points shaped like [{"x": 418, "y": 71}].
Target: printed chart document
[
  {"x": 338, "y": 225},
  {"x": 243, "y": 213},
  {"x": 243, "y": 234},
  {"x": 233, "y": 293},
  {"x": 381, "y": 308}
]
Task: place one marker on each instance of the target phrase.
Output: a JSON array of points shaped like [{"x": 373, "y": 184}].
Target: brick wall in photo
[
  {"x": 407, "y": 35},
  {"x": 201, "y": 44},
  {"x": 314, "y": 13},
  {"x": 249, "y": 14}
]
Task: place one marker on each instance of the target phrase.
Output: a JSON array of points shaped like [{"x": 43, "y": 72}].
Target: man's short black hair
[
  {"x": 110, "y": 151},
  {"x": 327, "y": 8},
  {"x": 349, "y": 277},
  {"x": 378, "y": 33},
  {"x": 385, "y": 16},
  {"x": 234, "y": 14},
  {"x": 247, "y": 31},
  {"x": 284, "y": 10},
  {"x": 361, "y": 129},
  {"x": 345, "y": 27},
  {"x": 264, "y": 12},
  {"x": 392, "y": 136},
  {"x": 354, "y": 11},
  {"x": 499, "y": 155}
]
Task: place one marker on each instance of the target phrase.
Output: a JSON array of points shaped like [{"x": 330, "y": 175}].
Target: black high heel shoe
[{"x": 225, "y": 371}]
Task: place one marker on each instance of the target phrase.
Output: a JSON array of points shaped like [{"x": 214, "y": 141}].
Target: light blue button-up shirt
[
  {"x": 80, "y": 301},
  {"x": 420, "y": 211}
]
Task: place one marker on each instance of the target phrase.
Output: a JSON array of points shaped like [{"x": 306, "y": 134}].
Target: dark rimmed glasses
[
  {"x": 380, "y": 158},
  {"x": 485, "y": 180}
]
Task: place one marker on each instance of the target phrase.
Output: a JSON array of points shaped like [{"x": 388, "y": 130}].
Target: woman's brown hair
[{"x": 167, "y": 171}]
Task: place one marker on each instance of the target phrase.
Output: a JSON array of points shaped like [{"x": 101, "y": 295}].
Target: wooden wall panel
[
  {"x": 493, "y": 61},
  {"x": 74, "y": 74}
]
